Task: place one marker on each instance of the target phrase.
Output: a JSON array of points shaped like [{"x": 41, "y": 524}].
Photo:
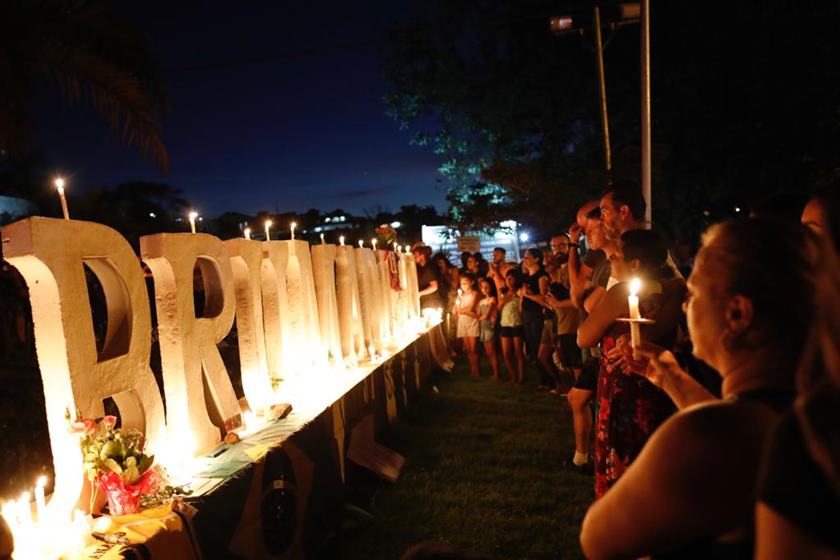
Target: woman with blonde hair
[{"x": 691, "y": 491}]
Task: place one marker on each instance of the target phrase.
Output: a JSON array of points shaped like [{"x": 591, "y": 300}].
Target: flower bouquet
[
  {"x": 386, "y": 236},
  {"x": 114, "y": 462}
]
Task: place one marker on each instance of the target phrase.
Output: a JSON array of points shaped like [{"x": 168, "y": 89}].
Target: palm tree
[{"x": 91, "y": 56}]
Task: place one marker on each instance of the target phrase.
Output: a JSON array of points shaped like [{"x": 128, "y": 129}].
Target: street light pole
[
  {"x": 602, "y": 90},
  {"x": 645, "y": 66}
]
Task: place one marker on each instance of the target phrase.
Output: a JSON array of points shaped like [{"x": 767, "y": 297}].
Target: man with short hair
[
  {"x": 498, "y": 268},
  {"x": 622, "y": 209}
]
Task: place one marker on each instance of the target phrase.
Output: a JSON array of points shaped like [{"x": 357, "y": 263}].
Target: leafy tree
[
  {"x": 745, "y": 104},
  {"x": 91, "y": 56}
]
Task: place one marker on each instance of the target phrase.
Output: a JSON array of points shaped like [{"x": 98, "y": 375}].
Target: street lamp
[{"x": 626, "y": 13}]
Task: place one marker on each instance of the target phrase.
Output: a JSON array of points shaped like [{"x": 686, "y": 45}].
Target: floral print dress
[{"x": 628, "y": 407}]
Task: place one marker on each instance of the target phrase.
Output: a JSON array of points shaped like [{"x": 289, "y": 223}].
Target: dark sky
[{"x": 275, "y": 106}]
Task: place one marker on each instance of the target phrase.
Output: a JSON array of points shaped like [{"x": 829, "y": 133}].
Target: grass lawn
[{"x": 483, "y": 472}]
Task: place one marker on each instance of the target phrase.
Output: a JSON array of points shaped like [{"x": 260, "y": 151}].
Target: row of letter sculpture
[{"x": 298, "y": 312}]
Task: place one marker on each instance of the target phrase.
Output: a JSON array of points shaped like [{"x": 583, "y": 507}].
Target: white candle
[
  {"x": 458, "y": 299},
  {"x": 247, "y": 233},
  {"x": 633, "y": 304},
  {"x": 341, "y": 240},
  {"x": 59, "y": 186},
  {"x": 322, "y": 239},
  {"x": 40, "y": 499},
  {"x": 373, "y": 243},
  {"x": 267, "y": 228},
  {"x": 294, "y": 225},
  {"x": 361, "y": 243},
  {"x": 192, "y": 216},
  {"x": 24, "y": 509}
]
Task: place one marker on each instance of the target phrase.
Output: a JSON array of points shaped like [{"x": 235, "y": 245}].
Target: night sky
[{"x": 274, "y": 106}]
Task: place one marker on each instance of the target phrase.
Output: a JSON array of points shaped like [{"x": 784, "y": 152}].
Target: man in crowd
[
  {"x": 623, "y": 209},
  {"x": 427, "y": 280},
  {"x": 589, "y": 283},
  {"x": 498, "y": 268}
]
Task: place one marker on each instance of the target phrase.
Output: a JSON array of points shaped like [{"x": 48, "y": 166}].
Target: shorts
[
  {"x": 510, "y": 332},
  {"x": 588, "y": 378},
  {"x": 568, "y": 350},
  {"x": 467, "y": 327},
  {"x": 548, "y": 336},
  {"x": 488, "y": 331}
]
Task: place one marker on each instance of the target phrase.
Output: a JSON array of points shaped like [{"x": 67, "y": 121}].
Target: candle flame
[
  {"x": 268, "y": 223},
  {"x": 361, "y": 243},
  {"x": 247, "y": 233},
  {"x": 42, "y": 481},
  {"x": 193, "y": 215},
  {"x": 59, "y": 184},
  {"x": 341, "y": 240},
  {"x": 635, "y": 286}
]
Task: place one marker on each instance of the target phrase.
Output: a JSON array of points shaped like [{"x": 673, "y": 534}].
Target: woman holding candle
[
  {"x": 630, "y": 407},
  {"x": 468, "y": 326},
  {"x": 691, "y": 491}
]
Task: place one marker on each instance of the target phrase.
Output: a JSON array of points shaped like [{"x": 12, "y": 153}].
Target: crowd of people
[{"x": 717, "y": 435}]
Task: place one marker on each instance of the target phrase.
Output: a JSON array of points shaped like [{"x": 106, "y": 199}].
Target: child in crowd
[
  {"x": 511, "y": 322},
  {"x": 468, "y": 327},
  {"x": 487, "y": 323}
]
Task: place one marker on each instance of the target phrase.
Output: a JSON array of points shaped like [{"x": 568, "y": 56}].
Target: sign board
[{"x": 469, "y": 243}]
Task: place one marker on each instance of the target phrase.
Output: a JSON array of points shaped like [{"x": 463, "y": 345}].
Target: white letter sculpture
[
  {"x": 246, "y": 261},
  {"x": 323, "y": 268},
  {"x": 188, "y": 343},
  {"x": 51, "y": 254}
]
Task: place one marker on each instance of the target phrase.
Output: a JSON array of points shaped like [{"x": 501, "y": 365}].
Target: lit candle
[
  {"x": 24, "y": 509},
  {"x": 192, "y": 216},
  {"x": 341, "y": 240},
  {"x": 361, "y": 243},
  {"x": 247, "y": 233},
  {"x": 373, "y": 243},
  {"x": 40, "y": 499},
  {"x": 59, "y": 186},
  {"x": 458, "y": 299},
  {"x": 633, "y": 304},
  {"x": 322, "y": 239},
  {"x": 407, "y": 249},
  {"x": 396, "y": 247},
  {"x": 294, "y": 225},
  {"x": 267, "y": 228}
]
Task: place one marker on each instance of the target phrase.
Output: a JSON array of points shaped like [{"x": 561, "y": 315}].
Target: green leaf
[
  {"x": 130, "y": 475},
  {"x": 112, "y": 450},
  {"x": 113, "y": 465}
]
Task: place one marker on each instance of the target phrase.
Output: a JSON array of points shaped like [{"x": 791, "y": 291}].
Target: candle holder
[{"x": 635, "y": 332}]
